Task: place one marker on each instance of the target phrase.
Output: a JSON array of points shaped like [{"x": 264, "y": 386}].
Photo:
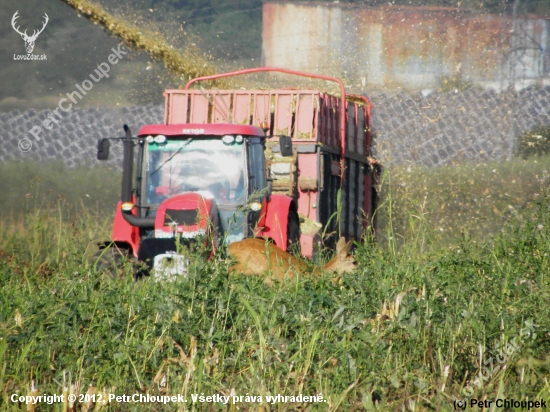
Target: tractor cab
[{"x": 222, "y": 164}]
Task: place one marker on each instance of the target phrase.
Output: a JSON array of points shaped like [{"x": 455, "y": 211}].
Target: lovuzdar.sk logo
[{"x": 29, "y": 40}]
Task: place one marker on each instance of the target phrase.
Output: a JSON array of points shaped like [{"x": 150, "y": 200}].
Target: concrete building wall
[{"x": 406, "y": 47}]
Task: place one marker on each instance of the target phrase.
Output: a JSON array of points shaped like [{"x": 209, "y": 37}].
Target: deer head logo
[{"x": 29, "y": 40}]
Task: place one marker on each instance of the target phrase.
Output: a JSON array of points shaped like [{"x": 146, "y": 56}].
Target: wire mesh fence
[
  {"x": 444, "y": 128},
  {"x": 411, "y": 128}
]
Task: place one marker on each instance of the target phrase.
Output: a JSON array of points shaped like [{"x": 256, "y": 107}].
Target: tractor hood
[{"x": 188, "y": 215}]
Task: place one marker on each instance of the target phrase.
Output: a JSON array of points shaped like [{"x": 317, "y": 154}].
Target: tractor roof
[{"x": 191, "y": 129}]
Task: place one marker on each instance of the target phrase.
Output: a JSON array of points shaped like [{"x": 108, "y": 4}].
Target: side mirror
[
  {"x": 103, "y": 146},
  {"x": 285, "y": 143}
]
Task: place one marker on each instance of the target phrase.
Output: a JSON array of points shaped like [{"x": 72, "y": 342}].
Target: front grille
[{"x": 181, "y": 217}]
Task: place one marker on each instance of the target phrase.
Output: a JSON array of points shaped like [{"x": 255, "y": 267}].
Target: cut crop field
[{"x": 450, "y": 304}]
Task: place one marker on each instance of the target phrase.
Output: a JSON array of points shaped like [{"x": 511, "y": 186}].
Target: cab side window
[{"x": 256, "y": 165}]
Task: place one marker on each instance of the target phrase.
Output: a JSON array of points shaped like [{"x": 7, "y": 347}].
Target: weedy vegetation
[
  {"x": 534, "y": 143},
  {"x": 459, "y": 272},
  {"x": 187, "y": 63}
]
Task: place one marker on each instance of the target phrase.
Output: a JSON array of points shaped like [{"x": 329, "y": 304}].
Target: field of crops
[{"x": 449, "y": 305}]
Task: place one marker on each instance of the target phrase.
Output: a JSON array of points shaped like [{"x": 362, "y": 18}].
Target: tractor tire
[
  {"x": 293, "y": 233},
  {"x": 111, "y": 260}
]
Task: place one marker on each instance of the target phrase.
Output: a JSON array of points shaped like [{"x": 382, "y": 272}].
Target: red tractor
[{"x": 232, "y": 164}]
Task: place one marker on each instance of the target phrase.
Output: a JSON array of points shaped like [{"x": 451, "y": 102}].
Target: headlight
[
  {"x": 160, "y": 139},
  {"x": 255, "y": 206},
  {"x": 149, "y": 139},
  {"x": 239, "y": 139},
  {"x": 228, "y": 139},
  {"x": 127, "y": 206}
]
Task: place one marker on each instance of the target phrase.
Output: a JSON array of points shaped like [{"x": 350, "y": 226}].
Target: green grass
[
  {"x": 437, "y": 206},
  {"x": 51, "y": 216},
  {"x": 30, "y": 186},
  {"x": 409, "y": 329}
]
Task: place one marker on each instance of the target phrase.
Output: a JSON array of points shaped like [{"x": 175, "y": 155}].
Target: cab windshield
[{"x": 210, "y": 165}]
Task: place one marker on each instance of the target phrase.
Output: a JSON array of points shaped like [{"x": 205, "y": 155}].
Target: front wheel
[
  {"x": 111, "y": 260},
  {"x": 293, "y": 233}
]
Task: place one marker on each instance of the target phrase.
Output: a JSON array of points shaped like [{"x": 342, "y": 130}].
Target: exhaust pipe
[
  {"x": 126, "y": 192},
  {"x": 127, "y": 166}
]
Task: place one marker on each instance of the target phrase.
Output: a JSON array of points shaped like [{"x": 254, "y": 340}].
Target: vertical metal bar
[
  {"x": 351, "y": 126},
  {"x": 357, "y": 217},
  {"x": 333, "y": 121},
  {"x": 361, "y": 130},
  {"x": 357, "y": 131},
  {"x": 139, "y": 175},
  {"x": 367, "y": 198},
  {"x": 167, "y": 106},
  {"x": 345, "y": 195},
  {"x": 128, "y": 165}
]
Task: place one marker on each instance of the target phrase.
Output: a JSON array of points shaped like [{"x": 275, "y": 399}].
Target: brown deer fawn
[{"x": 260, "y": 257}]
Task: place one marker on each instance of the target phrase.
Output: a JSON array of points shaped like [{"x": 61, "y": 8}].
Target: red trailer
[{"x": 292, "y": 166}]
